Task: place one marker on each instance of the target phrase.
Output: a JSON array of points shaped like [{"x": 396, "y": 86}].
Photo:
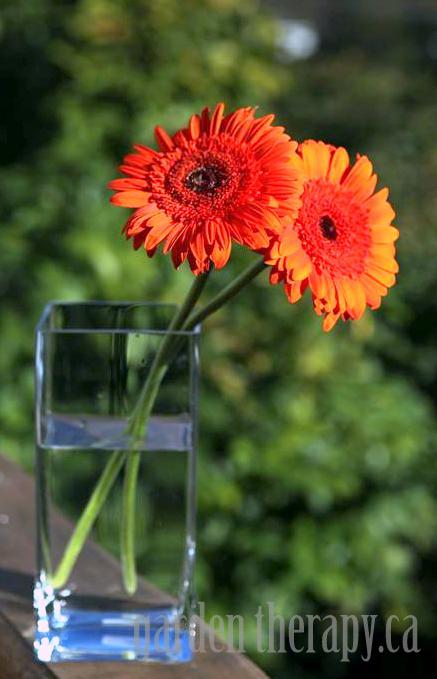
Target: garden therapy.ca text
[{"x": 343, "y": 634}]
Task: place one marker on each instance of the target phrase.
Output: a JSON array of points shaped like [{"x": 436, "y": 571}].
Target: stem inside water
[
  {"x": 130, "y": 483},
  {"x": 87, "y": 519}
]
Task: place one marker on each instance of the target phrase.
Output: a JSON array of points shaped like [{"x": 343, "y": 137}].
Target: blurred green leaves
[{"x": 317, "y": 468}]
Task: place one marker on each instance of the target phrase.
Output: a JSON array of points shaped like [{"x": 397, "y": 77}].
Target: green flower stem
[
  {"x": 137, "y": 430},
  {"x": 86, "y": 521},
  {"x": 145, "y": 401},
  {"x": 133, "y": 460},
  {"x": 225, "y": 295}
]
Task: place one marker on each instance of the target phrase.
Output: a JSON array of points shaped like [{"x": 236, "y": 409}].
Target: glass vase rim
[{"x": 41, "y": 327}]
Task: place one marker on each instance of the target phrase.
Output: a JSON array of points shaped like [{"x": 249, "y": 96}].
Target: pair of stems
[
  {"x": 137, "y": 431},
  {"x": 185, "y": 319}
]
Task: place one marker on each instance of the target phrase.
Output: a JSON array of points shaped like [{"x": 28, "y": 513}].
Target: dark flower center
[
  {"x": 205, "y": 179},
  {"x": 327, "y": 227}
]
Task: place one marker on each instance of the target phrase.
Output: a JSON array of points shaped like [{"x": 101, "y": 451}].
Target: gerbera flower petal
[
  {"x": 356, "y": 298},
  {"x": 165, "y": 142},
  {"x": 130, "y": 198},
  {"x": 294, "y": 291},
  {"x": 194, "y": 127},
  {"x": 318, "y": 284},
  {"x": 258, "y": 130},
  {"x": 216, "y": 119},
  {"x": 378, "y": 287},
  {"x": 289, "y": 242},
  {"x": 385, "y": 277},
  {"x": 132, "y": 171},
  {"x": 341, "y": 243},
  {"x": 359, "y": 179},
  {"x": 126, "y": 183},
  {"x": 221, "y": 253},
  {"x": 338, "y": 166},
  {"x": 382, "y": 213},
  {"x": 340, "y": 297},
  {"x": 221, "y": 179},
  {"x": 302, "y": 267},
  {"x": 384, "y": 250},
  {"x": 316, "y": 158},
  {"x": 329, "y": 321},
  {"x": 157, "y": 234},
  {"x": 386, "y": 263},
  {"x": 147, "y": 153},
  {"x": 384, "y": 234},
  {"x": 373, "y": 297},
  {"x": 175, "y": 240}
]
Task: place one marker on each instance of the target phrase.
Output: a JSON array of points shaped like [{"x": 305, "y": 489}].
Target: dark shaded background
[{"x": 318, "y": 472}]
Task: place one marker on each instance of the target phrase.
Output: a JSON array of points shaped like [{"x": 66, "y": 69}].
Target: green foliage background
[{"x": 317, "y": 466}]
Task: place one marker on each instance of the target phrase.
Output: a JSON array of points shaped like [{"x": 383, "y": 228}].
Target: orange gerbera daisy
[
  {"x": 221, "y": 179},
  {"x": 342, "y": 242}
]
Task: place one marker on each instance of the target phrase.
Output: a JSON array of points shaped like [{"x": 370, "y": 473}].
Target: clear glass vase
[{"x": 92, "y": 360}]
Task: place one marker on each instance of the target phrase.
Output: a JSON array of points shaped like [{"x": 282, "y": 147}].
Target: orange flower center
[
  {"x": 206, "y": 180},
  {"x": 333, "y": 229}
]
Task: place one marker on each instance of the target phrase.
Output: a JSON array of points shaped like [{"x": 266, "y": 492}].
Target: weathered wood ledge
[{"x": 17, "y": 540}]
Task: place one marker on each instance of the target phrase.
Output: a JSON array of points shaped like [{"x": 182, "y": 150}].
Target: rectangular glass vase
[{"x": 92, "y": 360}]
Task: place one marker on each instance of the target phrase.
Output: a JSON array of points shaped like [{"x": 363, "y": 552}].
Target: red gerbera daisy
[
  {"x": 342, "y": 242},
  {"x": 221, "y": 179}
]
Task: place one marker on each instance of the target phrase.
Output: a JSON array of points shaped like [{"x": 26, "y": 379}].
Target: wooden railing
[{"x": 17, "y": 540}]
